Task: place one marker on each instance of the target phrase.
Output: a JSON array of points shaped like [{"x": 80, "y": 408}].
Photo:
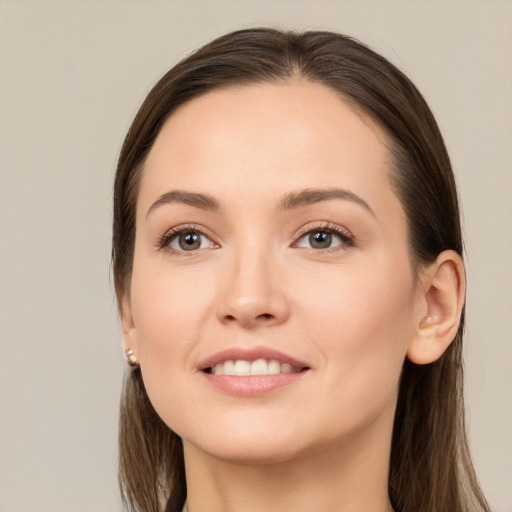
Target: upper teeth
[{"x": 244, "y": 368}]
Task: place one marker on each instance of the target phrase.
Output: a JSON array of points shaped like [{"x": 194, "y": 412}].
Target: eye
[
  {"x": 185, "y": 239},
  {"x": 189, "y": 241},
  {"x": 325, "y": 237}
]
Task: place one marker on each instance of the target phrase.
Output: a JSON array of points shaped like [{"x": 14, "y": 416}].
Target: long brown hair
[{"x": 430, "y": 465}]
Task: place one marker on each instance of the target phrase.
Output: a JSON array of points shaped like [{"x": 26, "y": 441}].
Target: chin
[
  {"x": 267, "y": 448},
  {"x": 266, "y": 443},
  {"x": 246, "y": 451}
]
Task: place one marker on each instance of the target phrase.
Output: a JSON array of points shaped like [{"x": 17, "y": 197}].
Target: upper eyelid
[
  {"x": 176, "y": 230},
  {"x": 323, "y": 225}
]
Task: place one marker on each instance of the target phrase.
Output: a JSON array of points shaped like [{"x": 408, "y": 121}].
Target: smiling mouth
[{"x": 245, "y": 368}]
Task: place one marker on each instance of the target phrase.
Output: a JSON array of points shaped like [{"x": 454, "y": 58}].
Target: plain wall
[{"x": 72, "y": 75}]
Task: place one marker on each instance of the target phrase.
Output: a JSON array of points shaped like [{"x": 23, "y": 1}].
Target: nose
[{"x": 251, "y": 293}]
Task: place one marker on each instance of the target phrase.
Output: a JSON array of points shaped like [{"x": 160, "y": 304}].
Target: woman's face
[{"x": 267, "y": 232}]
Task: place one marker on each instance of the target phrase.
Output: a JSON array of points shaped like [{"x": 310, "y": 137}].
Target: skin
[{"x": 352, "y": 312}]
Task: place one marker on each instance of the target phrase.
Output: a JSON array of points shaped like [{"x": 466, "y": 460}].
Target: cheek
[
  {"x": 351, "y": 302},
  {"x": 362, "y": 323},
  {"x": 169, "y": 310}
]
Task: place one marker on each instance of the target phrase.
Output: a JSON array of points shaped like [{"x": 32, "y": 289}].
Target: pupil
[
  {"x": 189, "y": 241},
  {"x": 320, "y": 240}
]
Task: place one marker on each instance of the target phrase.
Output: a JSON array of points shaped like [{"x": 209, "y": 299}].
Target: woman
[{"x": 287, "y": 258}]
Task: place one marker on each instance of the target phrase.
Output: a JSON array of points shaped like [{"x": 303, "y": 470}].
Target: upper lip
[{"x": 249, "y": 354}]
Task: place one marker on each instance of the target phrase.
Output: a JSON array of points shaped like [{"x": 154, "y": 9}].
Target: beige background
[{"x": 72, "y": 75}]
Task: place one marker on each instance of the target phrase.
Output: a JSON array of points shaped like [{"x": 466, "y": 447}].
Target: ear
[
  {"x": 442, "y": 296},
  {"x": 128, "y": 326}
]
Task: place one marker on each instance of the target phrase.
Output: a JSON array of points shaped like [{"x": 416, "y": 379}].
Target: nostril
[{"x": 248, "y": 318}]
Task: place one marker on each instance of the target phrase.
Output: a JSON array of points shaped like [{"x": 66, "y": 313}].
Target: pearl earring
[{"x": 131, "y": 358}]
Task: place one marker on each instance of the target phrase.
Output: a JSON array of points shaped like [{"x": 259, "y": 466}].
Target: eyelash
[
  {"x": 165, "y": 241},
  {"x": 347, "y": 239}
]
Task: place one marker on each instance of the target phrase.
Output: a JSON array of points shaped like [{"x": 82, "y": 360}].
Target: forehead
[{"x": 265, "y": 138}]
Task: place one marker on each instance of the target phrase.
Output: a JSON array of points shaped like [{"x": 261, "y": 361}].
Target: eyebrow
[
  {"x": 311, "y": 196},
  {"x": 290, "y": 201},
  {"x": 202, "y": 201}
]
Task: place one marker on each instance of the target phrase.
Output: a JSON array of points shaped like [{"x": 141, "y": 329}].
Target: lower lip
[{"x": 253, "y": 385}]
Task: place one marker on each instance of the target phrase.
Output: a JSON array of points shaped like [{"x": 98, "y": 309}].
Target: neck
[{"x": 349, "y": 476}]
